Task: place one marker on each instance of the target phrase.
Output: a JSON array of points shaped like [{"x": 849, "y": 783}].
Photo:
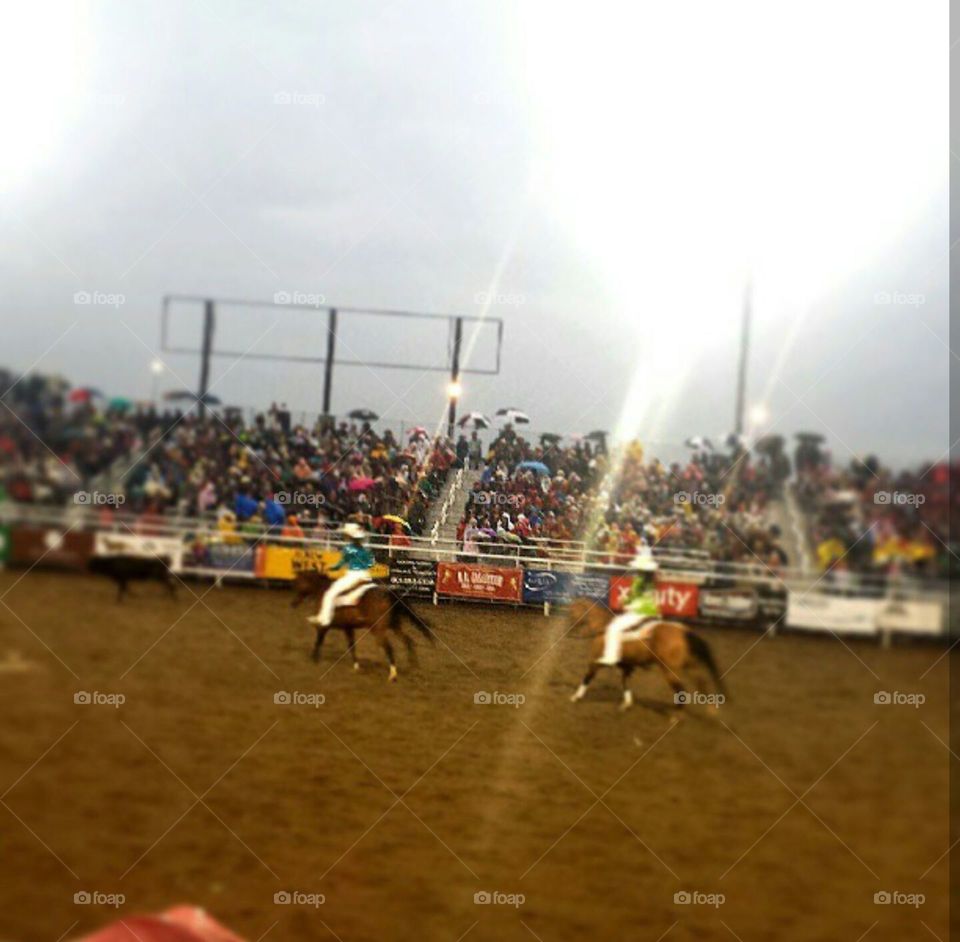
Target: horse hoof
[
  {"x": 356, "y": 665},
  {"x": 393, "y": 674}
]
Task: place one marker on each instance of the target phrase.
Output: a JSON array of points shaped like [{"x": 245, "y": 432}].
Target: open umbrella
[
  {"x": 549, "y": 438},
  {"x": 363, "y": 415},
  {"x": 474, "y": 419},
  {"x": 513, "y": 415},
  {"x": 119, "y": 404},
  {"x": 537, "y": 466},
  {"x": 84, "y": 394},
  {"x": 361, "y": 484},
  {"x": 416, "y": 433},
  {"x": 698, "y": 443},
  {"x": 184, "y": 395},
  {"x": 597, "y": 435}
]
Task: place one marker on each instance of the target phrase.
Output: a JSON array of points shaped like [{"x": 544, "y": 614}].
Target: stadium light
[
  {"x": 454, "y": 389},
  {"x": 759, "y": 414},
  {"x": 157, "y": 367}
]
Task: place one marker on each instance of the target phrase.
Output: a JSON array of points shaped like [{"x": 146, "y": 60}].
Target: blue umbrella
[{"x": 537, "y": 466}]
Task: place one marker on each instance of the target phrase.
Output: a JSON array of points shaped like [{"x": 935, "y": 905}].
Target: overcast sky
[{"x": 604, "y": 178}]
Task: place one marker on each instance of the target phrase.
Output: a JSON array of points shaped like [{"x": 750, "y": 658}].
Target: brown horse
[
  {"x": 669, "y": 645},
  {"x": 379, "y": 610}
]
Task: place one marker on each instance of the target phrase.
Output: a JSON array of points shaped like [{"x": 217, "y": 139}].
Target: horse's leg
[
  {"x": 388, "y": 650},
  {"x": 352, "y": 646},
  {"x": 410, "y": 646},
  {"x": 680, "y": 694},
  {"x": 171, "y": 585},
  {"x": 625, "y": 671},
  {"x": 582, "y": 689},
  {"x": 321, "y": 634}
]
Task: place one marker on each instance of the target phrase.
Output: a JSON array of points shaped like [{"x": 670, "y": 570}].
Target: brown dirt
[{"x": 399, "y": 802}]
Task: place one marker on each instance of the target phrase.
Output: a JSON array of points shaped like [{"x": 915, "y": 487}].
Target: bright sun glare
[{"x": 686, "y": 147}]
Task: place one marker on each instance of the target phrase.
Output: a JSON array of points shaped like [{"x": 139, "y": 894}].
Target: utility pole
[
  {"x": 744, "y": 352},
  {"x": 205, "y": 353},
  {"x": 328, "y": 363},
  {"x": 454, "y": 388}
]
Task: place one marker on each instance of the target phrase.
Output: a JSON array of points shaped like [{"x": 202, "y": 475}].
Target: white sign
[
  {"x": 817, "y": 612},
  {"x": 144, "y": 547},
  {"x": 922, "y": 618}
]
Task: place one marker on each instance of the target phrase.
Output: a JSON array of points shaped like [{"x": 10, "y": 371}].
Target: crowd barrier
[{"x": 689, "y": 587}]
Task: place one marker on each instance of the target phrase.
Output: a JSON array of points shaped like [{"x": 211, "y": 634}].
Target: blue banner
[{"x": 545, "y": 585}]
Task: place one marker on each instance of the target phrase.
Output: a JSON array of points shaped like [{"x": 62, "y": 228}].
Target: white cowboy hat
[
  {"x": 353, "y": 531},
  {"x": 644, "y": 561}
]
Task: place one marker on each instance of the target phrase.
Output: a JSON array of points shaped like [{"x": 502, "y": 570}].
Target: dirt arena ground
[{"x": 782, "y": 815}]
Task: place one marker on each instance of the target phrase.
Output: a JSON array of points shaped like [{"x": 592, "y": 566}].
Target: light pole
[
  {"x": 454, "y": 391},
  {"x": 156, "y": 370}
]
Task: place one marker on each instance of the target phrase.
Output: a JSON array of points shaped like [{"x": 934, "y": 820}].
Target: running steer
[{"x": 124, "y": 569}]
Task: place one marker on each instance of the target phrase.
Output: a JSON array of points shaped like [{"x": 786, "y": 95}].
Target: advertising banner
[
  {"x": 915, "y": 617},
  {"x": 479, "y": 582},
  {"x": 547, "y": 585},
  {"x": 729, "y": 604},
  {"x": 50, "y": 547},
  {"x": 676, "y": 599},
  {"x": 235, "y": 557},
  {"x": 4, "y": 543},
  {"x": 169, "y": 549},
  {"x": 413, "y": 576},
  {"x": 284, "y": 562},
  {"x": 817, "y": 612}
]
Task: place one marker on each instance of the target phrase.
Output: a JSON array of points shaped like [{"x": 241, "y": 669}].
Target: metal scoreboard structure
[{"x": 208, "y": 348}]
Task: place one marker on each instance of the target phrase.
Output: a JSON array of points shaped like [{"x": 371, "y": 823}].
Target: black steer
[{"x": 124, "y": 569}]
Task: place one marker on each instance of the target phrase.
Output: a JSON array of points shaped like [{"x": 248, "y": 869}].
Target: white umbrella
[
  {"x": 514, "y": 416},
  {"x": 476, "y": 419}
]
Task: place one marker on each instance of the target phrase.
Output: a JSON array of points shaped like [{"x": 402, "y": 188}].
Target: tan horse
[
  {"x": 669, "y": 645},
  {"x": 379, "y": 611}
]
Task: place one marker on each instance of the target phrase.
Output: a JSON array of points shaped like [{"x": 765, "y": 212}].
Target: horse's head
[{"x": 586, "y": 617}]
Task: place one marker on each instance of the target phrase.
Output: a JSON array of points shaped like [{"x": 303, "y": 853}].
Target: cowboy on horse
[
  {"x": 358, "y": 561},
  {"x": 640, "y": 607}
]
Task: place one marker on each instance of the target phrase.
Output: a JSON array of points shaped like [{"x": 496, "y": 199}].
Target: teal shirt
[{"x": 354, "y": 557}]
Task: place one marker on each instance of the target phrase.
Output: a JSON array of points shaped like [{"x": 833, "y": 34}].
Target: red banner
[
  {"x": 619, "y": 589},
  {"x": 479, "y": 582},
  {"x": 50, "y": 547},
  {"x": 677, "y": 599}
]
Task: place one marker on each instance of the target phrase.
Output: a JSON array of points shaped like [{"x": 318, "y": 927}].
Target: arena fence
[{"x": 690, "y": 585}]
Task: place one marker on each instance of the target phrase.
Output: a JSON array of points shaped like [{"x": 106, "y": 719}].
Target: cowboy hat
[
  {"x": 644, "y": 561},
  {"x": 353, "y": 531}
]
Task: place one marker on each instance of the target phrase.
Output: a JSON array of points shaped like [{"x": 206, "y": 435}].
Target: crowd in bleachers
[
  {"x": 865, "y": 518},
  {"x": 267, "y": 472},
  {"x": 715, "y": 502}
]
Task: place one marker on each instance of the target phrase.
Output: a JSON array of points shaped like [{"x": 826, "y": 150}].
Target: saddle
[{"x": 354, "y": 595}]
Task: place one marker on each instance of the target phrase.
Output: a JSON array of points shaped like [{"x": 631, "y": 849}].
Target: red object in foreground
[{"x": 177, "y": 924}]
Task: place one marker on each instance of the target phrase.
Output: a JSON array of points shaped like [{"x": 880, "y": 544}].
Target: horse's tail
[
  {"x": 400, "y": 607},
  {"x": 701, "y": 651}
]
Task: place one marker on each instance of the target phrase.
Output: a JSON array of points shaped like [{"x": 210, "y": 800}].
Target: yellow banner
[{"x": 284, "y": 562}]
